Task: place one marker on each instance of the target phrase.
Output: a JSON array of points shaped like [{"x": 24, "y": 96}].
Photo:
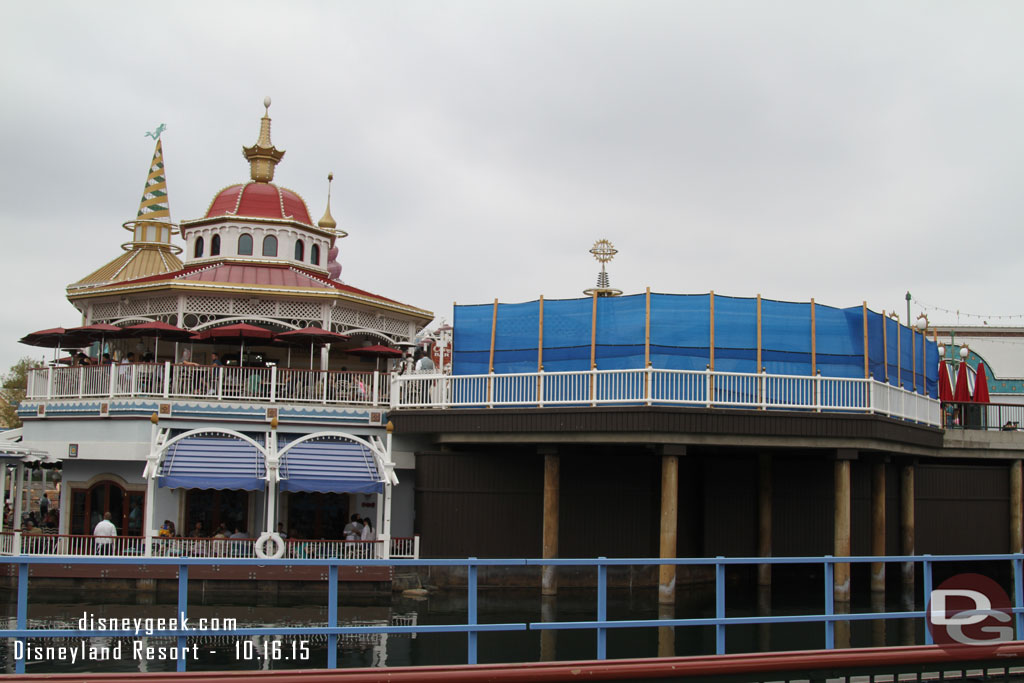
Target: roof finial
[
  {"x": 263, "y": 156},
  {"x": 328, "y": 222},
  {"x": 604, "y": 251}
]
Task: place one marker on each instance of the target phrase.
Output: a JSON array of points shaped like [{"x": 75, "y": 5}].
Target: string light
[{"x": 958, "y": 313}]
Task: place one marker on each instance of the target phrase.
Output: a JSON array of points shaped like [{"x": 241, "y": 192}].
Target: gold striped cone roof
[
  {"x": 154, "y": 205},
  {"x": 139, "y": 262}
]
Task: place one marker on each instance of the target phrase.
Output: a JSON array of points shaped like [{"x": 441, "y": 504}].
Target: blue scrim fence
[
  {"x": 472, "y": 626},
  {"x": 795, "y": 338}
]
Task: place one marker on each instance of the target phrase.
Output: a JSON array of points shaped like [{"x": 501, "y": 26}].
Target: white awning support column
[
  {"x": 150, "y": 475},
  {"x": 19, "y": 495},
  {"x": 273, "y": 465}
]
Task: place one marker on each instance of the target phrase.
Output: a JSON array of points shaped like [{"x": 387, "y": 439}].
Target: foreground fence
[
  {"x": 827, "y": 619},
  {"x": 707, "y": 388}
]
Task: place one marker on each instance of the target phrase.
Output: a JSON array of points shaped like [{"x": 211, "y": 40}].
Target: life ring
[{"x": 261, "y": 546}]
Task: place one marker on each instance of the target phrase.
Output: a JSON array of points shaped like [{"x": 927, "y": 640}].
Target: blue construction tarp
[{"x": 681, "y": 338}]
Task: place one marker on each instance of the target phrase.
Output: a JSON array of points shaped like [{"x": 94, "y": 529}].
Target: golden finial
[
  {"x": 328, "y": 222},
  {"x": 604, "y": 251},
  {"x": 263, "y": 156}
]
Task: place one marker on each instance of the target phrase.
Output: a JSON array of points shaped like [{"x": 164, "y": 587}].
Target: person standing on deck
[{"x": 105, "y": 532}]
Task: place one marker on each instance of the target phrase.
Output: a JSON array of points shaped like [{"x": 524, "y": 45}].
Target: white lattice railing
[
  {"x": 663, "y": 387},
  {"x": 219, "y": 382},
  {"x": 20, "y": 543}
]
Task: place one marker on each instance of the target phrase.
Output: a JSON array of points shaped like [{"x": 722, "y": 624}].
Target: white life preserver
[{"x": 260, "y": 547}]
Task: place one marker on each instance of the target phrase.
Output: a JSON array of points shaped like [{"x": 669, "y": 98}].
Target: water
[{"x": 63, "y": 609}]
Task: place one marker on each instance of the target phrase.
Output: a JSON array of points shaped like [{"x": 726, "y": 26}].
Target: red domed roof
[{"x": 259, "y": 200}]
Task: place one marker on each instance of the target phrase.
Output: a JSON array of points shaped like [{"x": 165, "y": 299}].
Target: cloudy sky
[{"x": 836, "y": 150}]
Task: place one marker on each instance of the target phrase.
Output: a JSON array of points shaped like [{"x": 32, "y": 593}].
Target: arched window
[
  {"x": 300, "y": 250},
  {"x": 215, "y": 246},
  {"x": 314, "y": 255},
  {"x": 270, "y": 246},
  {"x": 245, "y": 245},
  {"x": 199, "y": 248}
]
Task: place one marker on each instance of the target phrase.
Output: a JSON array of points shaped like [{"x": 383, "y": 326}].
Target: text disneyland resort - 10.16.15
[{"x": 133, "y": 642}]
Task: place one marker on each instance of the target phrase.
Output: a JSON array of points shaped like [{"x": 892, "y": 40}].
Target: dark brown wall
[
  {"x": 802, "y": 504},
  {"x": 730, "y": 504},
  {"x": 610, "y": 503},
  {"x": 962, "y": 509},
  {"x": 480, "y": 504}
]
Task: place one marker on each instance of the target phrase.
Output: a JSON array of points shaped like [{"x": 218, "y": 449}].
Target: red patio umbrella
[
  {"x": 961, "y": 394},
  {"x": 54, "y": 338},
  {"x": 158, "y": 330},
  {"x": 981, "y": 386},
  {"x": 312, "y": 334},
  {"x": 98, "y": 332},
  {"x": 945, "y": 388},
  {"x": 239, "y": 331}
]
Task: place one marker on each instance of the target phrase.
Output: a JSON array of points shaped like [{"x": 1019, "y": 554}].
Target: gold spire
[
  {"x": 328, "y": 221},
  {"x": 263, "y": 156}
]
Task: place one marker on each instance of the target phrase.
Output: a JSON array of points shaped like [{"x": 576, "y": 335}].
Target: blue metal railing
[{"x": 601, "y": 624}]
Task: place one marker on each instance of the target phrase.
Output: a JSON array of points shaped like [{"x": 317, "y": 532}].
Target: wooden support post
[
  {"x": 1016, "y": 501},
  {"x": 757, "y": 368},
  {"x": 711, "y": 343},
  {"x": 764, "y": 517},
  {"x": 490, "y": 360},
  {"x": 593, "y": 344},
  {"x": 907, "y": 524},
  {"x": 549, "y": 575},
  {"x": 669, "y": 515},
  {"x": 841, "y": 525},
  {"x": 864, "y": 313},
  {"x": 540, "y": 348},
  {"x": 885, "y": 344},
  {"x": 648, "y": 390},
  {"x": 878, "y": 525},
  {"x": 814, "y": 341},
  {"x": 913, "y": 355}
]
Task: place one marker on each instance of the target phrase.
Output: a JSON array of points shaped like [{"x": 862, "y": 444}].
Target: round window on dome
[
  {"x": 270, "y": 246},
  {"x": 198, "y": 253},
  {"x": 300, "y": 250},
  {"x": 314, "y": 255},
  {"x": 215, "y": 246},
  {"x": 245, "y": 244}
]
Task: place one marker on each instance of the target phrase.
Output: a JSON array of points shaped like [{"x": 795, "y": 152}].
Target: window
[
  {"x": 270, "y": 246},
  {"x": 314, "y": 255},
  {"x": 300, "y": 250},
  {"x": 199, "y": 248},
  {"x": 245, "y": 245},
  {"x": 215, "y": 246}
]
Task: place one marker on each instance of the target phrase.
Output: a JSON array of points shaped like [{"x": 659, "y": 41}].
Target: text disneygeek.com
[{"x": 143, "y": 648}]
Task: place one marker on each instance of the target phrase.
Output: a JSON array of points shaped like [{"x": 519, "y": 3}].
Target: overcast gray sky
[{"x": 836, "y": 150}]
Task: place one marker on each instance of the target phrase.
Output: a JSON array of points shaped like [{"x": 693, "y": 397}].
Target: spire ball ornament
[
  {"x": 266, "y": 102},
  {"x": 604, "y": 251}
]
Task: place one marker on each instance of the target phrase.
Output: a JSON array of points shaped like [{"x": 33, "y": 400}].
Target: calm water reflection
[{"x": 63, "y": 610}]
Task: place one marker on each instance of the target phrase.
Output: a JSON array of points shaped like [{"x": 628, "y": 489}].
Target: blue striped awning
[
  {"x": 213, "y": 463},
  {"x": 330, "y": 466}
]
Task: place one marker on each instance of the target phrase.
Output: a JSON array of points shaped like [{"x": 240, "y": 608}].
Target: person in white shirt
[
  {"x": 367, "y": 533},
  {"x": 105, "y": 532}
]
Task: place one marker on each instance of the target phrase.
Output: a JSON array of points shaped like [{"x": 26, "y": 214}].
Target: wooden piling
[
  {"x": 549, "y": 576},
  {"x": 669, "y": 516},
  {"x": 878, "y": 525},
  {"x": 764, "y": 517}
]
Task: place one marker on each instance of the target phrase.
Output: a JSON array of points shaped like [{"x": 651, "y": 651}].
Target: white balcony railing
[
  {"x": 649, "y": 386},
  {"x": 65, "y": 545},
  {"x": 168, "y": 380}
]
